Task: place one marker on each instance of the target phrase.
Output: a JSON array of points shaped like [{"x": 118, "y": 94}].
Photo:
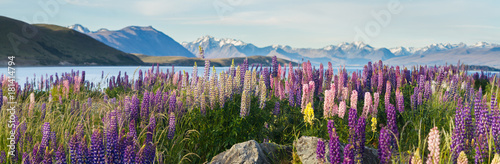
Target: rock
[
  {"x": 249, "y": 152},
  {"x": 306, "y": 150},
  {"x": 276, "y": 152}
]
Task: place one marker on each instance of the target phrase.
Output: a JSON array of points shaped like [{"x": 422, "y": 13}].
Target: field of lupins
[{"x": 425, "y": 114}]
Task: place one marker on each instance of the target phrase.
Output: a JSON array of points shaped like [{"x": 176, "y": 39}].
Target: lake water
[{"x": 94, "y": 73}]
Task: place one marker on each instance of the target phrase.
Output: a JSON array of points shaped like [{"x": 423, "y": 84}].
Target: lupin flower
[
  {"x": 145, "y": 106},
  {"x": 400, "y": 101},
  {"x": 45, "y": 136},
  {"x": 334, "y": 144},
  {"x": 384, "y": 148},
  {"x": 354, "y": 99},
  {"x": 433, "y": 142},
  {"x": 496, "y": 159},
  {"x": 3, "y": 157},
  {"x": 171, "y": 126},
  {"x": 387, "y": 97},
  {"x": 368, "y": 104},
  {"x": 376, "y": 100},
  {"x": 348, "y": 154},
  {"x": 462, "y": 158},
  {"x": 459, "y": 136},
  {"x": 32, "y": 101},
  {"x": 309, "y": 114},
  {"x": 129, "y": 155},
  {"x": 352, "y": 124},
  {"x": 97, "y": 148},
  {"x": 342, "y": 108},
  {"x": 244, "y": 111},
  {"x": 112, "y": 154},
  {"x": 262, "y": 92},
  {"x": 416, "y": 159},
  {"x": 60, "y": 155},
  {"x": 172, "y": 102},
  {"x": 359, "y": 143},
  {"x": 305, "y": 96},
  {"x": 320, "y": 151},
  {"x": 47, "y": 158},
  {"x": 276, "y": 110},
  {"x": 391, "y": 121}
]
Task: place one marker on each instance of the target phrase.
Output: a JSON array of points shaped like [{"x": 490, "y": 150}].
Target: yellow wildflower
[
  {"x": 309, "y": 114},
  {"x": 374, "y": 124}
]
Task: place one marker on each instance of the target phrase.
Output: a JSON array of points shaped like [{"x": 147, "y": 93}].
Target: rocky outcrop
[
  {"x": 306, "y": 150},
  {"x": 251, "y": 152}
]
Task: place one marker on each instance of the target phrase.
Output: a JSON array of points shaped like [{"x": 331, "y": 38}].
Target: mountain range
[
  {"x": 146, "y": 40},
  {"x": 136, "y": 39}
]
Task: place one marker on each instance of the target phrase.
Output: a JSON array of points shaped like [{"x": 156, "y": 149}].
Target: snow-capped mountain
[
  {"x": 137, "y": 39},
  {"x": 79, "y": 28},
  {"x": 149, "y": 41},
  {"x": 356, "y": 53}
]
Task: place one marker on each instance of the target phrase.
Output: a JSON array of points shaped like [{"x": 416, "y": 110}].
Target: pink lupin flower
[
  {"x": 376, "y": 99},
  {"x": 368, "y": 104},
  {"x": 335, "y": 110},
  {"x": 354, "y": 99},
  {"x": 345, "y": 93},
  {"x": 66, "y": 88},
  {"x": 32, "y": 101},
  {"x": 305, "y": 96},
  {"x": 342, "y": 108},
  {"x": 312, "y": 87},
  {"x": 328, "y": 104},
  {"x": 433, "y": 142},
  {"x": 78, "y": 81}
]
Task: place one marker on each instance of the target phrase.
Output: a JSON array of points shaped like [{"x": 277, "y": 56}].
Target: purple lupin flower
[
  {"x": 97, "y": 148},
  {"x": 47, "y": 158},
  {"x": 145, "y": 106},
  {"x": 459, "y": 132},
  {"x": 45, "y": 137},
  {"x": 334, "y": 144},
  {"x": 274, "y": 66},
  {"x": 151, "y": 129},
  {"x": 320, "y": 151},
  {"x": 171, "y": 126},
  {"x": 276, "y": 110},
  {"x": 3, "y": 157},
  {"x": 129, "y": 155},
  {"x": 172, "y": 102},
  {"x": 1, "y": 101},
  {"x": 44, "y": 106},
  {"x": 495, "y": 128},
  {"x": 384, "y": 148},
  {"x": 112, "y": 155},
  {"x": 61, "y": 155},
  {"x": 391, "y": 121},
  {"x": 359, "y": 145},
  {"x": 348, "y": 154},
  {"x": 141, "y": 156},
  {"x": 83, "y": 152},
  {"x": 134, "y": 107},
  {"x": 105, "y": 98},
  {"x": 352, "y": 125},
  {"x": 73, "y": 148}
]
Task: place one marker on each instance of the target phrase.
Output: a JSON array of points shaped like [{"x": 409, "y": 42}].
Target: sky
[{"x": 297, "y": 23}]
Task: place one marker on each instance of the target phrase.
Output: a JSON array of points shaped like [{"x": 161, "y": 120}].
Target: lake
[{"x": 94, "y": 73}]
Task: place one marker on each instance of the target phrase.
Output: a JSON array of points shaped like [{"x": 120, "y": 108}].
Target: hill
[{"x": 43, "y": 44}]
